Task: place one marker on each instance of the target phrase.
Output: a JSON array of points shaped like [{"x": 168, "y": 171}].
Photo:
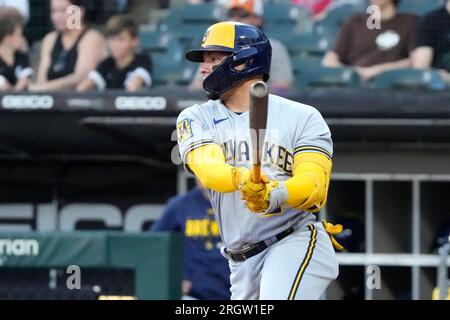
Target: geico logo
[
  {"x": 27, "y": 102},
  {"x": 19, "y": 247},
  {"x": 43, "y": 216},
  {"x": 140, "y": 103}
]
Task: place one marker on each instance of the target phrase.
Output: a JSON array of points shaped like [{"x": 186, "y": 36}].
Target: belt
[{"x": 253, "y": 249}]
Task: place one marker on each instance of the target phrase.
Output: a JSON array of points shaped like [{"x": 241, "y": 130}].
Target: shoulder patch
[{"x": 184, "y": 130}]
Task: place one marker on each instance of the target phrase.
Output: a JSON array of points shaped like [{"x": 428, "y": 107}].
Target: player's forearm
[
  {"x": 209, "y": 166},
  {"x": 307, "y": 189}
]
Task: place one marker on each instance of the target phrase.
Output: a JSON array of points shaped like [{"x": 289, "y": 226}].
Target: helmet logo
[{"x": 205, "y": 37}]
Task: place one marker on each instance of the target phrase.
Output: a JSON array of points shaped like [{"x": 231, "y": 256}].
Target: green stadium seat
[
  {"x": 300, "y": 63},
  {"x": 170, "y": 67},
  {"x": 419, "y": 7},
  {"x": 308, "y": 44},
  {"x": 329, "y": 27},
  {"x": 281, "y": 13},
  {"x": 154, "y": 41},
  {"x": 409, "y": 79},
  {"x": 204, "y": 14},
  {"x": 318, "y": 76}
]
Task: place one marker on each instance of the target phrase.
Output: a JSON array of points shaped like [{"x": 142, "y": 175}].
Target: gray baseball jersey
[{"x": 292, "y": 128}]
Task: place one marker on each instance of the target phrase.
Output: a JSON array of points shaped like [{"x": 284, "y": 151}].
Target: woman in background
[{"x": 69, "y": 52}]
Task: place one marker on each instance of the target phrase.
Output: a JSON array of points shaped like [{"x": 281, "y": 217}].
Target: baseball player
[{"x": 275, "y": 246}]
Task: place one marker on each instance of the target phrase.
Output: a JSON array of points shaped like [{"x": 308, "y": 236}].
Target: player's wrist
[{"x": 278, "y": 196}]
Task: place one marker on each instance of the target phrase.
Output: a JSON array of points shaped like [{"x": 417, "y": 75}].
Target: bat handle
[{"x": 256, "y": 173}]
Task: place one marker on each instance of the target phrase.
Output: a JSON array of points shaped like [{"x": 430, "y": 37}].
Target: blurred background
[{"x": 88, "y": 158}]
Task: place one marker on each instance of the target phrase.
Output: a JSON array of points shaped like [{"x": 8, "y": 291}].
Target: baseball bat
[{"x": 259, "y": 97}]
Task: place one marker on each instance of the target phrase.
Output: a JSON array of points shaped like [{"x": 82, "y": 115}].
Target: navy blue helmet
[{"x": 246, "y": 44}]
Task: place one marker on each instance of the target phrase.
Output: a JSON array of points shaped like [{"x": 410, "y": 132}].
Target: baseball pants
[{"x": 298, "y": 267}]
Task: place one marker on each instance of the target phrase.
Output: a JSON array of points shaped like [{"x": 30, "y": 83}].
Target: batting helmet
[{"x": 246, "y": 44}]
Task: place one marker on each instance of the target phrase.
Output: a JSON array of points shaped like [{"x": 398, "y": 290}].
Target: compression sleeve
[
  {"x": 209, "y": 166},
  {"x": 308, "y": 188}
]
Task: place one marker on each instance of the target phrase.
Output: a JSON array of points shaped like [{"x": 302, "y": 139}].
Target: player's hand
[
  {"x": 257, "y": 195},
  {"x": 240, "y": 176},
  {"x": 255, "y": 191}
]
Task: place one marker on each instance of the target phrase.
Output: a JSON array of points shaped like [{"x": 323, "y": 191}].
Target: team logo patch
[
  {"x": 184, "y": 130},
  {"x": 205, "y": 36}
]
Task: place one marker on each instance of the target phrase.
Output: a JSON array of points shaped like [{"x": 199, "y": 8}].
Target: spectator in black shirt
[
  {"x": 69, "y": 52},
  {"x": 433, "y": 42},
  {"x": 124, "y": 69},
  {"x": 15, "y": 71}
]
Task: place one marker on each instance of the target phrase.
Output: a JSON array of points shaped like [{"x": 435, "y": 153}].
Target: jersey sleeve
[
  {"x": 142, "y": 68},
  {"x": 192, "y": 131},
  {"x": 99, "y": 75},
  {"x": 23, "y": 69},
  {"x": 315, "y": 136}
]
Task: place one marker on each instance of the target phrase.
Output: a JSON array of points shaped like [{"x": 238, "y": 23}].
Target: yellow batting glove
[
  {"x": 258, "y": 196},
  {"x": 255, "y": 191},
  {"x": 240, "y": 176}
]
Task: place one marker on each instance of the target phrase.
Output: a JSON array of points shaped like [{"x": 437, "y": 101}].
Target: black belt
[{"x": 253, "y": 249}]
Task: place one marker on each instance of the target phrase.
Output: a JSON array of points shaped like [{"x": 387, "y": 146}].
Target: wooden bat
[{"x": 259, "y": 97}]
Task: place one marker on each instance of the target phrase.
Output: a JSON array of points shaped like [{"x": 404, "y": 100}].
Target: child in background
[
  {"x": 124, "y": 69},
  {"x": 15, "y": 71}
]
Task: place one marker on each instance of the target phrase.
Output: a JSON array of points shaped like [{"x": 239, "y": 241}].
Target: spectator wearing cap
[
  {"x": 70, "y": 52},
  {"x": 251, "y": 12},
  {"x": 432, "y": 45},
  {"x": 373, "y": 51},
  {"x": 15, "y": 71}
]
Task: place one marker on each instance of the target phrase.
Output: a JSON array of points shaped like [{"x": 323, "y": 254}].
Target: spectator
[
  {"x": 205, "y": 271},
  {"x": 124, "y": 69},
  {"x": 23, "y": 6},
  {"x": 433, "y": 42},
  {"x": 69, "y": 52},
  {"x": 374, "y": 51},
  {"x": 251, "y": 12},
  {"x": 15, "y": 71}
]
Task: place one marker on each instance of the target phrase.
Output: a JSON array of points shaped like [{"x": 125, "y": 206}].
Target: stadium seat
[
  {"x": 318, "y": 76},
  {"x": 153, "y": 41},
  {"x": 204, "y": 13},
  {"x": 308, "y": 44},
  {"x": 419, "y": 7},
  {"x": 409, "y": 79},
  {"x": 329, "y": 27},
  {"x": 281, "y": 13},
  {"x": 170, "y": 67},
  {"x": 300, "y": 63}
]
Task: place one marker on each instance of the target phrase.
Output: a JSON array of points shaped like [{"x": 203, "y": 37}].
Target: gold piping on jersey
[
  {"x": 311, "y": 148},
  {"x": 305, "y": 262},
  {"x": 197, "y": 144}
]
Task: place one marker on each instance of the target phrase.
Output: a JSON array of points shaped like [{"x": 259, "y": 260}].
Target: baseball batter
[{"x": 275, "y": 246}]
